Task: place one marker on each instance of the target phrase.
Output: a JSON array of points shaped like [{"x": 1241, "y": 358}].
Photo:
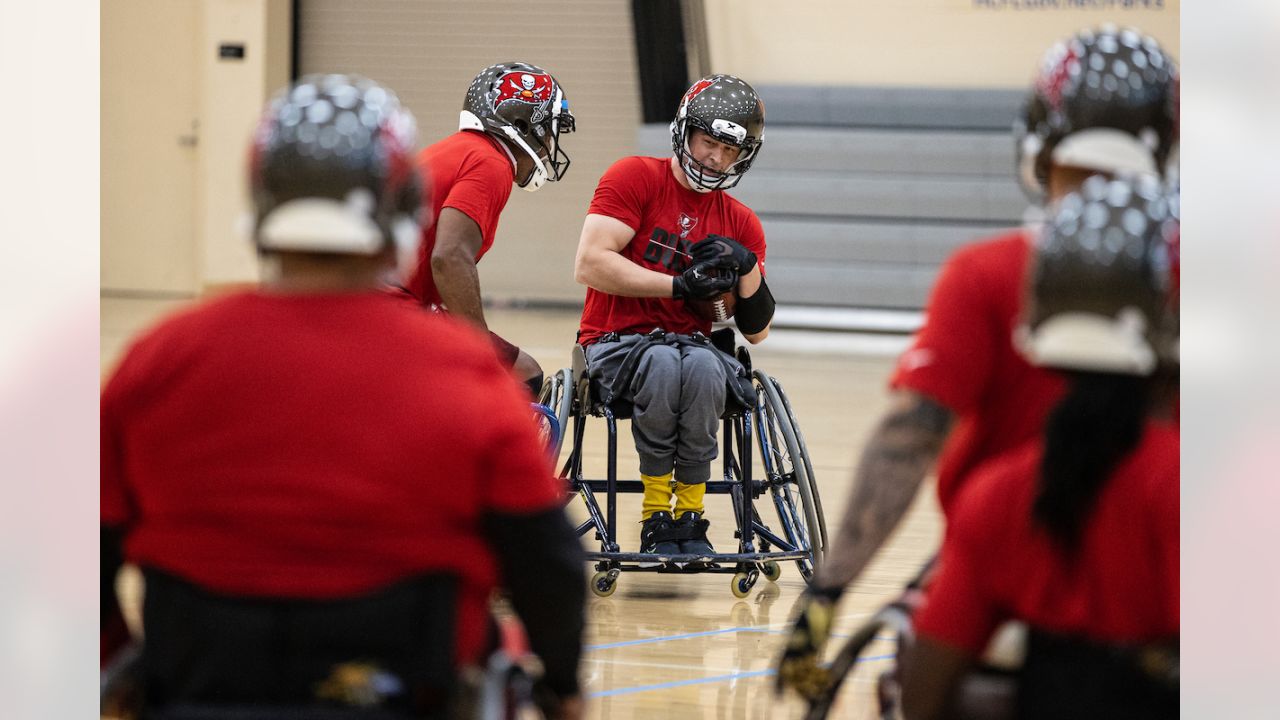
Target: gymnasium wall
[
  {"x": 930, "y": 43},
  {"x": 429, "y": 50}
]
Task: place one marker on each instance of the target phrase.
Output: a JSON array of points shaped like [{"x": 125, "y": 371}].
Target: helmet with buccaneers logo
[
  {"x": 331, "y": 170},
  {"x": 523, "y": 106},
  {"x": 730, "y": 111},
  {"x": 1105, "y": 101}
]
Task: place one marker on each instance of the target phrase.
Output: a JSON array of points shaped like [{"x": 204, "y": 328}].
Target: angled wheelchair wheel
[
  {"x": 808, "y": 465},
  {"x": 788, "y": 474},
  {"x": 557, "y": 394}
]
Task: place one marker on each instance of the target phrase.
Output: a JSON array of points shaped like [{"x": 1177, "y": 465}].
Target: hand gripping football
[{"x": 717, "y": 309}]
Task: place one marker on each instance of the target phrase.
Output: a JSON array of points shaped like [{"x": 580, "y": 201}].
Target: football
[{"x": 716, "y": 309}]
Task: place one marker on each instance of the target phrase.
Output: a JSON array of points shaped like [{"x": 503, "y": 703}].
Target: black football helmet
[
  {"x": 727, "y": 109},
  {"x": 1100, "y": 284},
  {"x": 523, "y": 106},
  {"x": 1105, "y": 101},
  {"x": 331, "y": 170}
]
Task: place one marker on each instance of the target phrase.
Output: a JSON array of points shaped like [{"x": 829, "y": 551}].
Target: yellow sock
[
  {"x": 657, "y": 494},
  {"x": 689, "y": 498}
]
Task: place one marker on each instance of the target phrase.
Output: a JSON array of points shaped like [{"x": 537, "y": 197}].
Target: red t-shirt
[
  {"x": 997, "y": 564},
  {"x": 469, "y": 172},
  {"x": 317, "y": 446},
  {"x": 964, "y": 359},
  {"x": 642, "y": 193}
]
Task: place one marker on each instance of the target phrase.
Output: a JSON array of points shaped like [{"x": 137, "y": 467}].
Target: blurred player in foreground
[
  {"x": 1085, "y": 546},
  {"x": 1103, "y": 102},
  {"x": 322, "y": 485}
]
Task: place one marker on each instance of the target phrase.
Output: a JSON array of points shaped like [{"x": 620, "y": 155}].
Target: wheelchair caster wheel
[
  {"x": 772, "y": 571},
  {"x": 743, "y": 582},
  {"x": 604, "y": 583}
]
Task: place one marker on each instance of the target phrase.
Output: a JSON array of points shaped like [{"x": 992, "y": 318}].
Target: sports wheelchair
[
  {"x": 1102, "y": 681},
  {"x": 763, "y": 453}
]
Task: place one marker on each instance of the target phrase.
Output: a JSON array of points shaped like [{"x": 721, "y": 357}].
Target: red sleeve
[
  {"x": 481, "y": 191},
  {"x": 751, "y": 235},
  {"x": 116, "y": 509},
  {"x": 518, "y": 475},
  {"x": 1170, "y": 529},
  {"x": 621, "y": 193},
  {"x": 957, "y": 609},
  {"x": 951, "y": 358}
]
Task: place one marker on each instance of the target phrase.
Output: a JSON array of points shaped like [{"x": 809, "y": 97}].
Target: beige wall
[
  {"x": 939, "y": 43},
  {"x": 232, "y": 95},
  {"x": 176, "y": 122},
  {"x": 149, "y": 104}
]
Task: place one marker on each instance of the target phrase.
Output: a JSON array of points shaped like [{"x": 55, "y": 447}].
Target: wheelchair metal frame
[{"x": 770, "y": 424}]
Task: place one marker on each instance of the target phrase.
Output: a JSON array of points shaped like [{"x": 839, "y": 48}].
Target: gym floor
[{"x": 683, "y": 646}]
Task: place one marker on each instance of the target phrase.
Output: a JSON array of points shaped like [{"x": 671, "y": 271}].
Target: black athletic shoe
[
  {"x": 656, "y": 535},
  {"x": 693, "y": 529}
]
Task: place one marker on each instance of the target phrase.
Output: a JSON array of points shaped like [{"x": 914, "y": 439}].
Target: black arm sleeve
[
  {"x": 756, "y": 312},
  {"x": 111, "y": 556},
  {"x": 542, "y": 566}
]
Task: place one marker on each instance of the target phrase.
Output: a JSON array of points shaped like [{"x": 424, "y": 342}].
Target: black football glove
[
  {"x": 798, "y": 668},
  {"x": 702, "y": 281},
  {"x": 727, "y": 251}
]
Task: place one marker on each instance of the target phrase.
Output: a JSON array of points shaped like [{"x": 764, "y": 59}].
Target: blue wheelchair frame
[{"x": 770, "y": 424}]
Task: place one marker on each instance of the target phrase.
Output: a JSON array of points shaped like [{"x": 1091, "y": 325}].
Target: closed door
[{"x": 150, "y": 143}]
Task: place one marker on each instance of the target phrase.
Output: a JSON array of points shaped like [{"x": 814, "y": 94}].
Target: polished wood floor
[{"x": 682, "y": 646}]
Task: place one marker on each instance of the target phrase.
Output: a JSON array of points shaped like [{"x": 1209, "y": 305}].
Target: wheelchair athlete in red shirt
[{"x": 321, "y": 484}]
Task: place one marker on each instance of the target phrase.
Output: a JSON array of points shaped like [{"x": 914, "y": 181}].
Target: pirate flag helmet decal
[{"x": 523, "y": 106}]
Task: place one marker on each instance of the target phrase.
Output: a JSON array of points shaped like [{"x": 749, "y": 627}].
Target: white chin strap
[
  {"x": 468, "y": 121},
  {"x": 539, "y": 176},
  {"x": 694, "y": 178}
]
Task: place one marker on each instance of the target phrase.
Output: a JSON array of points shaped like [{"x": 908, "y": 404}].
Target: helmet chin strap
[
  {"x": 468, "y": 121},
  {"x": 539, "y": 176}
]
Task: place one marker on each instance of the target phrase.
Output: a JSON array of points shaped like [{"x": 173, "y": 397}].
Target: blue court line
[
  {"x": 703, "y": 681},
  {"x": 665, "y": 638},
  {"x": 705, "y": 633}
]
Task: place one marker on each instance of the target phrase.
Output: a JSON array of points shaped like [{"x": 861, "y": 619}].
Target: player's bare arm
[
  {"x": 900, "y": 453},
  {"x": 600, "y": 264},
  {"x": 453, "y": 265}
]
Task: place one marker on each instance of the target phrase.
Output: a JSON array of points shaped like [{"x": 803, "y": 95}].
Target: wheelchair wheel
[
  {"x": 743, "y": 582},
  {"x": 604, "y": 583},
  {"x": 771, "y": 571},
  {"x": 808, "y": 465},
  {"x": 787, "y": 471},
  {"x": 557, "y": 394}
]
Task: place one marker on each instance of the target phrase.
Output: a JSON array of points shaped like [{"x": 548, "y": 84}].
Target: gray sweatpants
[{"x": 679, "y": 394}]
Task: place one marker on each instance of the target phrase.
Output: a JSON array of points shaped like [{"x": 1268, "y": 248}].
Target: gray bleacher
[{"x": 863, "y": 192}]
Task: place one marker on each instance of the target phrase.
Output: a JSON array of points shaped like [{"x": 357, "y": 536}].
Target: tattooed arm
[
  {"x": 899, "y": 454},
  {"x": 894, "y": 463}
]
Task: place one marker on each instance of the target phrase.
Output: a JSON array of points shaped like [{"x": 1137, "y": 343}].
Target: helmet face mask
[
  {"x": 730, "y": 112},
  {"x": 526, "y": 109},
  {"x": 1104, "y": 101},
  {"x": 331, "y": 171}
]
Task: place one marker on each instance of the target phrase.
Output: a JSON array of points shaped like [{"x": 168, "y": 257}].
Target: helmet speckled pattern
[
  {"x": 1106, "y": 101},
  {"x": 331, "y": 168},
  {"x": 1101, "y": 279},
  {"x": 730, "y": 111},
  {"x": 525, "y": 107}
]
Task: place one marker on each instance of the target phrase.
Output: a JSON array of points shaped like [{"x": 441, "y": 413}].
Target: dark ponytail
[{"x": 1092, "y": 428}]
